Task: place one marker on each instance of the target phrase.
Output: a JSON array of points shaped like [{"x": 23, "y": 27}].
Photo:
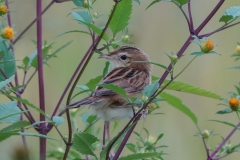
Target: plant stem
[
  {"x": 91, "y": 50},
  {"x": 209, "y": 17},
  {"x": 190, "y": 17},
  {"x": 224, "y": 141},
  {"x": 41, "y": 80}
]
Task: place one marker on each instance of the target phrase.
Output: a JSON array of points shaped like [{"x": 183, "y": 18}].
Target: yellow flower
[
  {"x": 234, "y": 103},
  {"x": 3, "y": 10},
  {"x": 8, "y": 33},
  {"x": 207, "y": 46},
  {"x": 238, "y": 49}
]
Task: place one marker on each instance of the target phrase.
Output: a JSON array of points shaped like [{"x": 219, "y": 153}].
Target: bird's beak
[{"x": 107, "y": 56}]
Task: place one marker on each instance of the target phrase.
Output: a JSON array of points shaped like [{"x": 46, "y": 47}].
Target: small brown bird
[{"x": 132, "y": 77}]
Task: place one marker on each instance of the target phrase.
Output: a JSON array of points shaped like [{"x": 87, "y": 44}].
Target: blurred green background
[{"x": 162, "y": 28}]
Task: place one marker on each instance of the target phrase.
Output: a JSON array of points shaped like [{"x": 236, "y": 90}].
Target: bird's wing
[{"x": 131, "y": 80}]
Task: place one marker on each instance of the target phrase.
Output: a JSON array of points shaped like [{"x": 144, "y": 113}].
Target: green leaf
[
  {"x": 131, "y": 147},
  {"x": 6, "y": 81},
  {"x": 121, "y": 16},
  {"x": 5, "y": 135},
  {"x": 30, "y": 105},
  {"x": 72, "y": 31},
  {"x": 233, "y": 67},
  {"x": 35, "y": 135},
  {"x": 227, "y": 123},
  {"x": 225, "y": 111},
  {"x": 58, "y": 120},
  {"x": 156, "y": 1},
  {"x": 138, "y": 1},
  {"x": 78, "y": 3},
  {"x": 197, "y": 53},
  {"x": 89, "y": 118},
  {"x": 138, "y": 156},
  {"x": 97, "y": 30},
  {"x": 114, "y": 88},
  {"x": 106, "y": 68},
  {"x": 181, "y": 2},
  {"x": 150, "y": 89},
  {"x": 10, "y": 110},
  {"x": 230, "y": 14},
  {"x": 177, "y": 103},
  {"x": 188, "y": 88},
  {"x": 82, "y": 142},
  {"x": 16, "y": 125},
  {"x": 57, "y": 51},
  {"x": 7, "y": 63},
  {"x": 82, "y": 16},
  {"x": 93, "y": 83}
]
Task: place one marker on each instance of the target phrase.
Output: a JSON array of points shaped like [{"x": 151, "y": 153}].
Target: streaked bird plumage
[{"x": 130, "y": 76}]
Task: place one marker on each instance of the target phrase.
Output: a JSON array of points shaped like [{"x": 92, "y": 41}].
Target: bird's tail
[{"x": 83, "y": 102}]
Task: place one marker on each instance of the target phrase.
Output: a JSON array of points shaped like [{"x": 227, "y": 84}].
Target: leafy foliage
[
  {"x": 7, "y": 61},
  {"x": 230, "y": 14},
  {"x": 177, "y": 103},
  {"x": 82, "y": 142},
  {"x": 224, "y": 122},
  {"x": 5, "y": 82},
  {"x": 58, "y": 120},
  {"x": 121, "y": 16},
  {"x": 9, "y": 112},
  {"x": 150, "y": 89},
  {"x": 188, "y": 88}
]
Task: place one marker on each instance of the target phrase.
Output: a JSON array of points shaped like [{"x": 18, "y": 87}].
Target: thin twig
[{"x": 190, "y": 17}]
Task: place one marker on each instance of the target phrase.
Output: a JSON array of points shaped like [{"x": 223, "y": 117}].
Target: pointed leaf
[
  {"x": 9, "y": 108},
  {"x": 231, "y": 13},
  {"x": 30, "y": 105},
  {"x": 150, "y": 89},
  {"x": 114, "y": 88},
  {"x": 6, "y": 81},
  {"x": 225, "y": 111},
  {"x": 93, "y": 83},
  {"x": 181, "y": 2},
  {"x": 82, "y": 16},
  {"x": 72, "y": 31},
  {"x": 177, "y": 103},
  {"x": 7, "y": 63},
  {"x": 16, "y": 125},
  {"x": 227, "y": 123},
  {"x": 82, "y": 142},
  {"x": 58, "y": 120},
  {"x": 57, "y": 51},
  {"x": 188, "y": 88},
  {"x": 121, "y": 16}
]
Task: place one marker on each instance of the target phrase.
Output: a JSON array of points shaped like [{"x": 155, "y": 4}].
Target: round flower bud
[
  {"x": 8, "y": 33},
  {"x": 174, "y": 58},
  {"x": 125, "y": 39},
  {"x": 205, "y": 134},
  {"x": 144, "y": 98},
  {"x": 95, "y": 14},
  {"x": 238, "y": 49},
  {"x": 86, "y": 4},
  {"x": 3, "y": 10},
  {"x": 207, "y": 46},
  {"x": 234, "y": 103}
]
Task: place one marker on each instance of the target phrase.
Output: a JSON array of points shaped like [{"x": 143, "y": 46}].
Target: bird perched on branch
[{"x": 132, "y": 77}]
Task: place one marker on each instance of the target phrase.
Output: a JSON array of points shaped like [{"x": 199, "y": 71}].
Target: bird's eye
[{"x": 123, "y": 57}]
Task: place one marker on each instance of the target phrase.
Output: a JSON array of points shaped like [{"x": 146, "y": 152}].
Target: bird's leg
[
  {"x": 105, "y": 130},
  {"x": 107, "y": 124}
]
